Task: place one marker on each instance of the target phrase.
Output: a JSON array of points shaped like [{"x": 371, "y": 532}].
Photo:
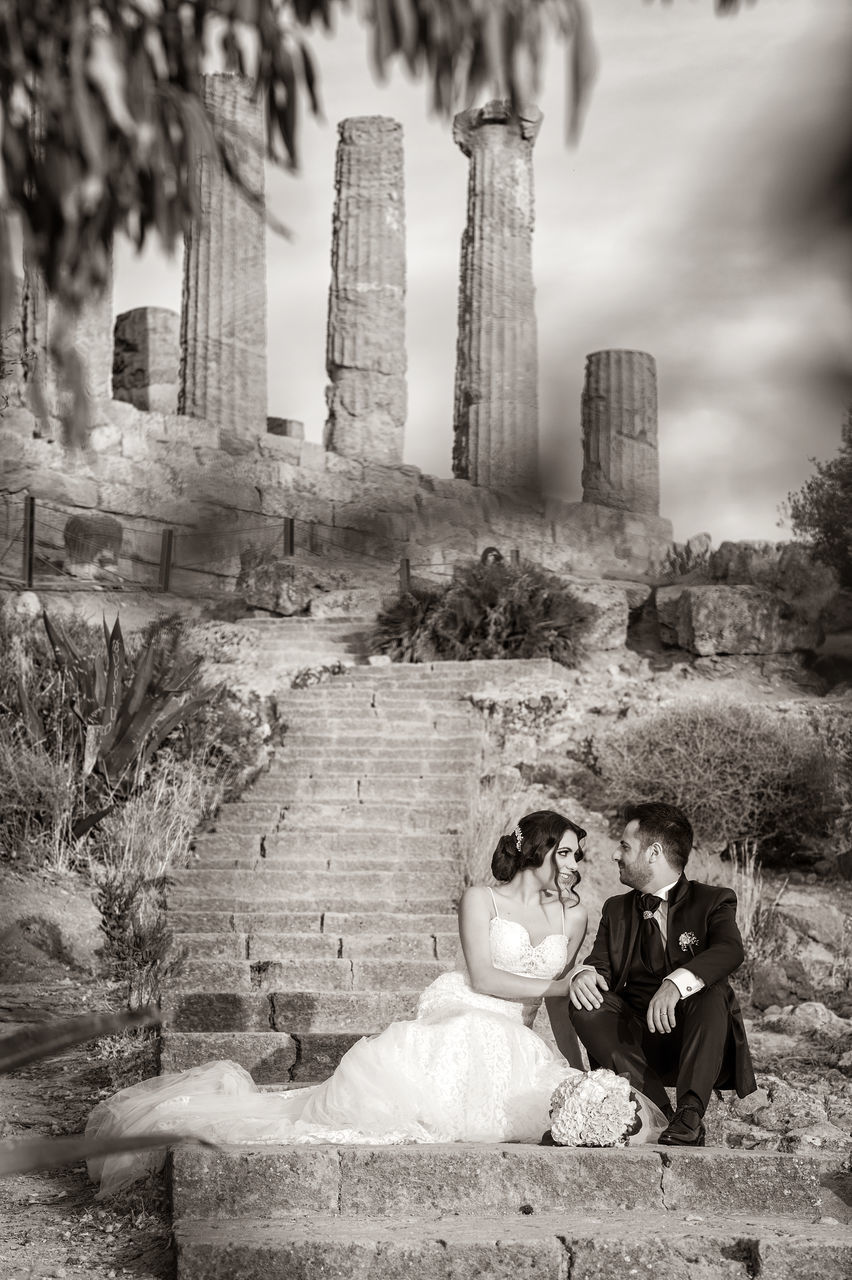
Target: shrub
[
  {"x": 487, "y": 611},
  {"x": 738, "y": 770},
  {"x": 402, "y": 628},
  {"x": 130, "y": 857},
  {"x": 821, "y": 512}
]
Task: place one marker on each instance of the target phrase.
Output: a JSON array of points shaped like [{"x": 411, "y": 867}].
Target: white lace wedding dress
[{"x": 467, "y": 1068}]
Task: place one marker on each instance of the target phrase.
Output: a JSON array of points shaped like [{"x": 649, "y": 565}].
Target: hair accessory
[{"x": 519, "y": 838}]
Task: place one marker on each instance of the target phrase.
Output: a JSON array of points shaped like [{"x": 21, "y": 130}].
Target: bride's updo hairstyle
[{"x": 530, "y": 842}]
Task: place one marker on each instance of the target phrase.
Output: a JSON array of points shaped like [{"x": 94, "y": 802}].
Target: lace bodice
[{"x": 512, "y": 950}]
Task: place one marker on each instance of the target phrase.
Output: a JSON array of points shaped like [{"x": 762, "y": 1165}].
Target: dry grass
[
  {"x": 129, "y": 860},
  {"x": 757, "y": 914}
]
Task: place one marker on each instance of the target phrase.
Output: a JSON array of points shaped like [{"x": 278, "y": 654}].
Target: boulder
[
  {"x": 710, "y": 619},
  {"x": 769, "y": 985},
  {"x": 281, "y": 586},
  {"x": 787, "y": 568}
]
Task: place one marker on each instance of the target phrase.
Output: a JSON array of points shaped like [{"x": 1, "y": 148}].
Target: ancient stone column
[
  {"x": 619, "y": 414},
  {"x": 223, "y": 313},
  {"x": 365, "y": 350},
  {"x": 47, "y": 329},
  {"x": 496, "y": 393},
  {"x": 146, "y": 355}
]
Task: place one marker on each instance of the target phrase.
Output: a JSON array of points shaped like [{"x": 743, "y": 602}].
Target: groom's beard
[{"x": 634, "y": 877}]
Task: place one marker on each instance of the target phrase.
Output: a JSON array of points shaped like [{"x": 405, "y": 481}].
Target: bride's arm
[{"x": 475, "y": 933}]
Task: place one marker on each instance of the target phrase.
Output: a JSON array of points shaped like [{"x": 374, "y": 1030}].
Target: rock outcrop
[{"x": 711, "y": 619}]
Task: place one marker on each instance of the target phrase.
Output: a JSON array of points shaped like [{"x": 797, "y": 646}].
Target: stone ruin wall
[
  {"x": 155, "y": 470},
  {"x": 220, "y": 462}
]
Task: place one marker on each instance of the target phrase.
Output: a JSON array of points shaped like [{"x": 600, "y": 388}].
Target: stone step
[
  {"x": 303, "y": 946},
  {"x": 600, "y": 1245},
  {"x": 251, "y": 910},
  {"x": 338, "y": 923},
  {"x": 362, "y": 1012},
  {"x": 361, "y": 788},
  {"x": 352, "y": 946},
  {"x": 310, "y": 861},
  {"x": 268, "y": 882},
  {"x": 419, "y": 761},
  {"x": 385, "y": 973},
  {"x": 272, "y": 1057},
  {"x": 474, "y": 1179},
  {"x": 295, "y": 1012},
  {"x": 317, "y": 734},
  {"x": 345, "y": 843},
  {"x": 421, "y": 816},
  {"x": 269, "y": 1056}
]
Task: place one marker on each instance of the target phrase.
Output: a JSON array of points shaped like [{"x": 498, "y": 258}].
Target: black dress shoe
[{"x": 686, "y": 1129}]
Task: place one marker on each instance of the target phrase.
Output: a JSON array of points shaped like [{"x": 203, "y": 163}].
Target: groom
[{"x": 652, "y": 1000}]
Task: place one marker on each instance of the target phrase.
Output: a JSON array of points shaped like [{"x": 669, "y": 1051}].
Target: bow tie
[{"x": 649, "y": 903}]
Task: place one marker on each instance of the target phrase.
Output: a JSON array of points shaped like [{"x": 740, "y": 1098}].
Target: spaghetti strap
[
  {"x": 562, "y": 905},
  {"x": 493, "y": 902}
]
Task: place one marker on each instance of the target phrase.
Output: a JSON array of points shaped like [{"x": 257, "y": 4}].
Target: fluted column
[
  {"x": 223, "y": 313},
  {"x": 496, "y": 393},
  {"x": 365, "y": 349},
  {"x": 48, "y": 330},
  {"x": 619, "y": 413}
]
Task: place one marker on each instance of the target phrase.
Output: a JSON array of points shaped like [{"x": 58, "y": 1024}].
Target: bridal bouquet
[{"x": 595, "y": 1109}]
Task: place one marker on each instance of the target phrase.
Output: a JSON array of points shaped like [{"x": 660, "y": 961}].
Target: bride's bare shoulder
[{"x": 475, "y": 894}]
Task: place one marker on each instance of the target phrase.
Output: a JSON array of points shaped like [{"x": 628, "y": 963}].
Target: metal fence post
[
  {"x": 405, "y": 575},
  {"x": 28, "y": 560},
  {"x": 289, "y": 537},
  {"x": 167, "y": 546}
]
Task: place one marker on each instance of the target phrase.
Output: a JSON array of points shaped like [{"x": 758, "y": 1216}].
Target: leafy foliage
[
  {"x": 738, "y": 770},
  {"x": 102, "y": 115},
  {"x": 487, "y": 611},
  {"x": 126, "y": 710},
  {"x": 402, "y": 629},
  {"x": 821, "y": 512}
]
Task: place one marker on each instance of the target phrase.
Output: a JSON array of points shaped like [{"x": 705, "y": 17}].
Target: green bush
[
  {"x": 738, "y": 770},
  {"x": 487, "y": 611}
]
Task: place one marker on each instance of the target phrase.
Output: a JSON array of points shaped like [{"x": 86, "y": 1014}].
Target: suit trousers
[{"x": 690, "y": 1057}]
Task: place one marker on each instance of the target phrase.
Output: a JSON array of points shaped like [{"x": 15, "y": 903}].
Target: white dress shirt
[{"x": 686, "y": 982}]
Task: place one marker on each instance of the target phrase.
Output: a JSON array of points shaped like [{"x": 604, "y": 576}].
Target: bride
[{"x": 467, "y": 1068}]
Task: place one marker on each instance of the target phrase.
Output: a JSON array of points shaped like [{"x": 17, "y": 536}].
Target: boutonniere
[{"x": 688, "y": 942}]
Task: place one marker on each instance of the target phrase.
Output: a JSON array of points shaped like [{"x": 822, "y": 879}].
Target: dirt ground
[{"x": 51, "y": 1225}]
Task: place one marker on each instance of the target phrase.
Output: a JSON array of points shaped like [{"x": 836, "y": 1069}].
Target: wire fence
[{"x": 43, "y": 543}]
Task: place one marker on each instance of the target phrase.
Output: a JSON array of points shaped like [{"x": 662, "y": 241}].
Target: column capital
[{"x": 469, "y": 131}]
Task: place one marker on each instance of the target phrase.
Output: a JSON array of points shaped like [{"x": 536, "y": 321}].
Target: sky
[{"x": 669, "y": 229}]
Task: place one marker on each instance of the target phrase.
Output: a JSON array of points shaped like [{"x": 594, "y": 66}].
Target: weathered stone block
[
  {"x": 740, "y": 619},
  {"x": 146, "y": 354},
  {"x": 267, "y": 1055},
  {"x": 235, "y": 1183},
  {"x": 289, "y": 427},
  {"x": 311, "y": 456},
  {"x": 725, "y": 1181},
  {"x": 478, "y": 1180}
]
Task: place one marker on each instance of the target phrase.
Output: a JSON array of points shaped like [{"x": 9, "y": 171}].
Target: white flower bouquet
[{"x": 595, "y": 1109}]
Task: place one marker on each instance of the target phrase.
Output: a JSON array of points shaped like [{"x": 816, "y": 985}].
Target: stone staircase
[{"x": 319, "y": 907}]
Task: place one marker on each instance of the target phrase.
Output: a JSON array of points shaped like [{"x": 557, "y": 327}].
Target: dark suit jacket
[{"x": 709, "y": 913}]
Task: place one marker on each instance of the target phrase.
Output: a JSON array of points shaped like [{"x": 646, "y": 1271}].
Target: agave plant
[
  {"x": 126, "y": 710},
  {"x": 17, "y": 1048}
]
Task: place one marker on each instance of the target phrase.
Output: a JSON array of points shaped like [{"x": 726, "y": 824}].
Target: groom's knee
[{"x": 609, "y": 1005}]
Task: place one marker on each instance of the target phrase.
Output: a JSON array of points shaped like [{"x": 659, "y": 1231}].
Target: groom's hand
[
  {"x": 586, "y": 989},
  {"x": 661, "y": 1010}
]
